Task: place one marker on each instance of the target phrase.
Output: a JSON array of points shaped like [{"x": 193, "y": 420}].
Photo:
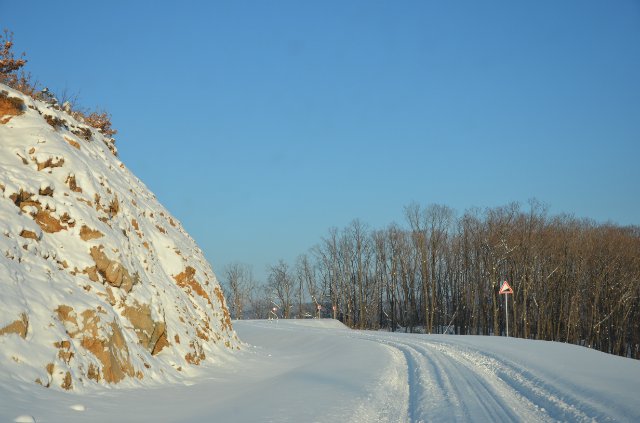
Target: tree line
[{"x": 574, "y": 280}]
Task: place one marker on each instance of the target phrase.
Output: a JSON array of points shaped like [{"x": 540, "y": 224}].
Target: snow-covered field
[{"x": 318, "y": 370}]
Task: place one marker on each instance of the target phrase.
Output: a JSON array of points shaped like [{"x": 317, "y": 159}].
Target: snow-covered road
[
  {"x": 320, "y": 371},
  {"x": 469, "y": 378}
]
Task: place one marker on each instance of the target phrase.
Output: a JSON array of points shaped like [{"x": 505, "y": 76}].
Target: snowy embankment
[
  {"x": 310, "y": 370},
  {"x": 99, "y": 284}
]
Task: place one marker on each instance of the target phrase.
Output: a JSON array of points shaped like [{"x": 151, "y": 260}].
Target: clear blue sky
[{"x": 261, "y": 124}]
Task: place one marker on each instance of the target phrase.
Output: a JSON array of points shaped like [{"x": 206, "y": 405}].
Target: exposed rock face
[
  {"x": 19, "y": 326},
  {"x": 87, "y": 234},
  {"x": 10, "y": 106},
  {"x": 105, "y": 341},
  {"x": 151, "y": 334},
  {"x": 187, "y": 281},
  {"x": 99, "y": 282},
  {"x": 113, "y": 272}
]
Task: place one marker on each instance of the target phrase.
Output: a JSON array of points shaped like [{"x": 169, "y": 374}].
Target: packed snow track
[{"x": 452, "y": 383}]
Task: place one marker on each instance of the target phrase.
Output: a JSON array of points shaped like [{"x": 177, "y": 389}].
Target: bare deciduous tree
[
  {"x": 281, "y": 286},
  {"x": 238, "y": 285}
]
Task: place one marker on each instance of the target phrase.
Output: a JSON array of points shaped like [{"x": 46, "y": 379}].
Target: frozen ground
[{"x": 310, "y": 370}]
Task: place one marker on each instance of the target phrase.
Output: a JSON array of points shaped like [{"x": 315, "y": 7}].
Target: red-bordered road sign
[{"x": 505, "y": 288}]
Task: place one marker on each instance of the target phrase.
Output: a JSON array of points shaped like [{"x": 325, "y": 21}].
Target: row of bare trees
[{"x": 574, "y": 280}]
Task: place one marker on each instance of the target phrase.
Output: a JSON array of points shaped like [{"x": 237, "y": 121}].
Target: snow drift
[{"x": 99, "y": 282}]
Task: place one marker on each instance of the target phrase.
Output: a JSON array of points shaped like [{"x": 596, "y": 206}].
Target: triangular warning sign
[{"x": 505, "y": 288}]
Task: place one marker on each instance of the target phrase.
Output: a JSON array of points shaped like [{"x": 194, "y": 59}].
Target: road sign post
[
  {"x": 506, "y": 289},
  {"x": 506, "y": 311}
]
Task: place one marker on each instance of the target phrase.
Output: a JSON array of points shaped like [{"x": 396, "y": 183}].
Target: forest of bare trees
[{"x": 574, "y": 280}]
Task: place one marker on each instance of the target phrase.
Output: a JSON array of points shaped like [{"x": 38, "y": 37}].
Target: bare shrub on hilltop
[
  {"x": 102, "y": 122},
  {"x": 8, "y": 63},
  {"x": 12, "y": 75},
  {"x": 11, "y": 72}
]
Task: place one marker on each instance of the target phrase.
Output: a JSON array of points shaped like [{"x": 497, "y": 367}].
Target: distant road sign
[{"x": 505, "y": 288}]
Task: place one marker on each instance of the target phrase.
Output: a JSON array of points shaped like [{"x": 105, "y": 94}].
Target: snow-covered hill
[
  {"x": 98, "y": 282},
  {"x": 320, "y": 371}
]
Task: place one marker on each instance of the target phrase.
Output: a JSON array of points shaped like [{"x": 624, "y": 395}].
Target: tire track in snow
[
  {"x": 470, "y": 395},
  {"x": 464, "y": 394},
  {"x": 427, "y": 383},
  {"x": 546, "y": 398},
  {"x": 421, "y": 395},
  {"x": 448, "y": 384},
  {"x": 482, "y": 396}
]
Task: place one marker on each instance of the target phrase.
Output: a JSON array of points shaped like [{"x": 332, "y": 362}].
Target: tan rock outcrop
[
  {"x": 92, "y": 272},
  {"x": 151, "y": 334},
  {"x": 9, "y": 107},
  {"x": 64, "y": 351},
  {"x": 73, "y": 185},
  {"x": 196, "y": 355},
  {"x": 112, "y": 353},
  {"x": 114, "y": 273},
  {"x": 43, "y": 216},
  {"x": 46, "y": 191},
  {"x": 47, "y": 222},
  {"x": 20, "y": 326},
  {"x": 104, "y": 340},
  {"x": 50, "y": 163},
  {"x": 29, "y": 234},
  {"x": 72, "y": 142},
  {"x": 22, "y": 199},
  {"x": 87, "y": 233},
  {"x": 186, "y": 280},
  {"x": 67, "y": 383}
]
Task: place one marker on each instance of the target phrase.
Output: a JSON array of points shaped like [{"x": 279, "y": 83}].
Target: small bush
[
  {"x": 55, "y": 121},
  {"x": 84, "y": 133},
  {"x": 102, "y": 122},
  {"x": 8, "y": 63}
]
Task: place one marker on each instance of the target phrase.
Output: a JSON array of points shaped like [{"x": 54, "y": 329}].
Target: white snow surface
[
  {"x": 41, "y": 270},
  {"x": 320, "y": 371}
]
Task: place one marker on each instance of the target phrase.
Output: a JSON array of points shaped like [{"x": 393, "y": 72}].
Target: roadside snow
[{"x": 320, "y": 371}]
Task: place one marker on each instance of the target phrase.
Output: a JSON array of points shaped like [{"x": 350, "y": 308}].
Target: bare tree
[
  {"x": 281, "y": 285},
  {"x": 238, "y": 284},
  {"x": 261, "y": 303},
  {"x": 306, "y": 274}
]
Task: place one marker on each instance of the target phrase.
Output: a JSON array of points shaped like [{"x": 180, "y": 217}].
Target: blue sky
[{"x": 261, "y": 124}]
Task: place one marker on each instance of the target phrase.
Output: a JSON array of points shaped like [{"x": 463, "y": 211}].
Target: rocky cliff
[{"x": 98, "y": 282}]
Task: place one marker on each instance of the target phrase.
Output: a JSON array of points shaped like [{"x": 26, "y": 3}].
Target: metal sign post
[
  {"x": 506, "y": 289},
  {"x": 506, "y": 312}
]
